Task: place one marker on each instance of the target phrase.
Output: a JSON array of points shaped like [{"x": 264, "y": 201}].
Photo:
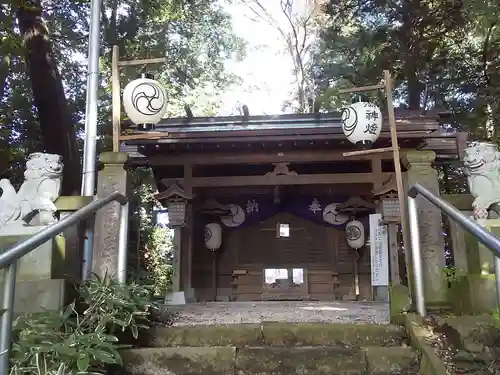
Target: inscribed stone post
[
  {"x": 113, "y": 177},
  {"x": 420, "y": 171}
]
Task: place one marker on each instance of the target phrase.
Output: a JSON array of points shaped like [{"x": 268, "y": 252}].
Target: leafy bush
[
  {"x": 82, "y": 337},
  {"x": 155, "y": 241}
]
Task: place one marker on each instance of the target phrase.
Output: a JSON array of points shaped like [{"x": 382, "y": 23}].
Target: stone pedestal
[
  {"x": 73, "y": 254},
  {"x": 40, "y": 283},
  {"x": 112, "y": 177},
  {"x": 420, "y": 171}
]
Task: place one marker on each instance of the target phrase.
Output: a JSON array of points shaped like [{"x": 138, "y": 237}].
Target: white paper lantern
[
  {"x": 213, "y": 236},
  {"x": 145, "y": 101},
  {"x": 362, "y": 123},
  {"x": 355, "y": 234}
]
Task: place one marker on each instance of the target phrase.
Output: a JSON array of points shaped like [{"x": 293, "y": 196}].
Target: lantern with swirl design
[
  {"x": 362, "y": 123},
  {"x": 145, "y": 101},
  {"x": 355, "y": 234},
  {"x": 213, "y": 236}
]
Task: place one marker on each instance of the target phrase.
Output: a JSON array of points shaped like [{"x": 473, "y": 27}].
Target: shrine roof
[{"x": 289, "y": 131}]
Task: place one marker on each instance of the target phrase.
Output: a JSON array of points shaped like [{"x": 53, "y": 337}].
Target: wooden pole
[
  {"x": 397, "y": 160},
  {"x": 115, "y": 98},
  {"x": 149, "y": 135},
  {"x": 156, "y": 60},
  {"x": 367, "y": 152},
  {"x": 361, "y": 89}
]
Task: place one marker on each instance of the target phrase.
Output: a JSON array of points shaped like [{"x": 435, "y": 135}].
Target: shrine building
[{"x": 282, "y": 191}]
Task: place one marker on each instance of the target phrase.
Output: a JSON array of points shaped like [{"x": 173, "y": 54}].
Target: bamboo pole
[
  {"x": 116, "y": 98},
  {"x": 397, "y": 161}
]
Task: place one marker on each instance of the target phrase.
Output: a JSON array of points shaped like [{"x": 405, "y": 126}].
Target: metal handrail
[
  {"x": 9, "y": 258},
  {"x": 480, "y": 233}
]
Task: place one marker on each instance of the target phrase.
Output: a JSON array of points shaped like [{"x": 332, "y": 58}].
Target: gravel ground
[{"x": 217, "y": 313}]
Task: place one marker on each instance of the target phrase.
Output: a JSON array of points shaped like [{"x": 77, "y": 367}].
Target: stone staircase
[{"x": 273, "y": 348}]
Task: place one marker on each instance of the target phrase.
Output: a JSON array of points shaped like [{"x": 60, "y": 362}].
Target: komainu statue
[
  {"x": 482, "y": 168},
  {"x": 34, "y": 202}
]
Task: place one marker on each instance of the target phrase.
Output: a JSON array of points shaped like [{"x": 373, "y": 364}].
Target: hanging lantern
[
  {"x": 213, "y": 236},
  {"x": 355, "y": 234},
  {"x": 176, "y": 208},
  {"x": 176, "y": 200},
  {"x": 390, "y": 208},
  {"x": 145, "y": 101},
  {"x": 362, "y": 123}
]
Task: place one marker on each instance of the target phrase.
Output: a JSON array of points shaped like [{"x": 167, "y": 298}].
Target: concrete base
[
  {"x": 191, "y": 295},
  {"x": 175, "y": 298},
  {"x": 38, "y": 296},
  {"x": 45, "y": 262},
  {"x": 381, "y": 293}
]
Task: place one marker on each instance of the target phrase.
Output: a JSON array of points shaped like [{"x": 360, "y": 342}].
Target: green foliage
[
  {"x": 155, "y": 245},
  {"x": 158, "y": 249},
  {"x": 444, "y": 56},
  {"x": 81, "y": 338},
  {"x": 196, "y": 38},
  {"x": 496, "y": 317},
  {"x": 450, "y": 274}
]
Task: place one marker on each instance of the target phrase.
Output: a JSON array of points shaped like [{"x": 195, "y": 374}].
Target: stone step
[
  {"x": 274, "y": 334},
  {"x": 271, "y": 361}
]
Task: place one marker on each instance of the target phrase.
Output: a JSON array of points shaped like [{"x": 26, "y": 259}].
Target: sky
[{"x": 266, "y": 71}]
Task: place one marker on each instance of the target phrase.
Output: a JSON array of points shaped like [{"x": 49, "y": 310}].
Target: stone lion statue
[
  {"x": 482, "y": 168},
  {"x": 34, "y": 202}
]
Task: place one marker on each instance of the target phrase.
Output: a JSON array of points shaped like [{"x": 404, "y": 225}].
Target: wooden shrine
[{"x": 251, "y": 174}]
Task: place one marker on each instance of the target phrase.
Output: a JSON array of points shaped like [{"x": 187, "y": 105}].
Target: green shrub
[{"x": 81, "y": 339}]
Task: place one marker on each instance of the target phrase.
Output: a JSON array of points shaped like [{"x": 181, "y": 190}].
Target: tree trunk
[
  {"x": 48, "y": 93},
  {"x": 4, "y": 73}
]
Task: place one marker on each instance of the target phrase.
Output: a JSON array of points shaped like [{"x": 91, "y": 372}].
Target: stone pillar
[
  {"x": 420, "y": 170},
  {"x": 176, "y": 296},
  {"x": 113, "y": 177},
  {"x": 187, "y": 252},
  {"x": 459, "y": 245},
  {"x": 176, "y": 260}
]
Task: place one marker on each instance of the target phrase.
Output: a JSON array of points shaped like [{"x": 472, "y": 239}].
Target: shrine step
[
  {"x": 273, "y": 349},
  {"x": 275, "y": 334},
  {"x": 271, "y": 361}
]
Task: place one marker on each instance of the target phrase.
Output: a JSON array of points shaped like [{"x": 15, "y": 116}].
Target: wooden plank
[
  {"x": 271, "y": 180},
  {"x": 273, "y": 136},
  {"x": 157, "y": 60},
  {"x": 116, "y": 98},
  {"x": 248, "y": 297},
  {"x": 314, "y": 278},
  {"x": 368, "y": 152},
  {"x": 362, "y": 88},
  {"x": 397, "y": 158},
  {"x": 248, "y": 279},
  {"x": 394, "y": 253},
  {"x": 322, "y": 296},
  {"x": 378, "y": 175},
  {"x": 321, "y": 288},
  {"x": 249, "y": 289},
  {"x": 141, "y": 136}
]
